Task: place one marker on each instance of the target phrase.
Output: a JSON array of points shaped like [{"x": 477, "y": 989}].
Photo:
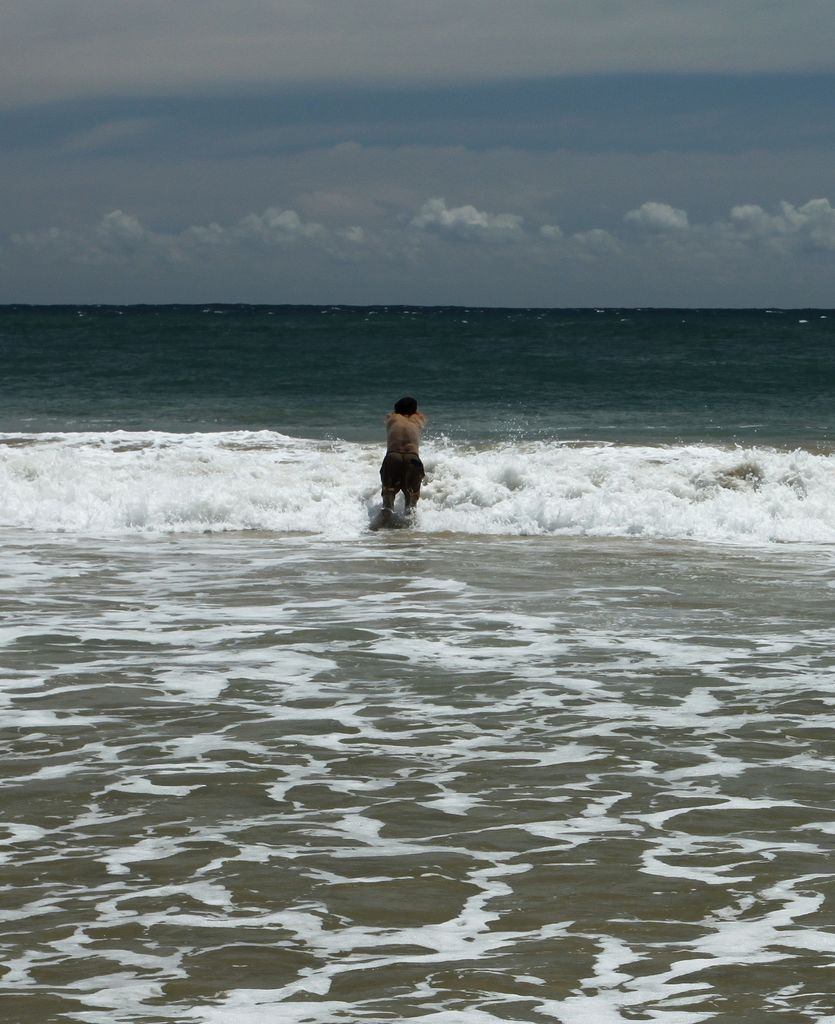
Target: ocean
[{"x": 562, "y": 751}]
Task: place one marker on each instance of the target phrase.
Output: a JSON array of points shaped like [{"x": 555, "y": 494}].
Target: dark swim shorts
[{"x": 402, "y": 472}]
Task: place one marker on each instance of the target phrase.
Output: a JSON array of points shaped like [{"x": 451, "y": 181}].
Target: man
[{"x": 402, "y": 469}]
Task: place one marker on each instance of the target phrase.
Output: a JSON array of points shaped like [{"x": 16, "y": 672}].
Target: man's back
[{"x": 403, "y": 432}]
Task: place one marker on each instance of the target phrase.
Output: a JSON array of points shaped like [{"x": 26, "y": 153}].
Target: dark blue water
[{"x": 481, "y": 374}]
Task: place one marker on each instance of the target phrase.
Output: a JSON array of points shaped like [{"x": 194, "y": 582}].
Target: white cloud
[
  {"x": 119, "y": 236},
  {"x": 121, "y": 228},
  {"x": 596, "y": 240},
  {"x": 278, "y": 227},
  {"x": 658, "y": 217},
  {"x": 674, "y": 261},
  {"x": 582, "y": 245},
  {"x": 811, "y": 225},
  {"x": 354, "y": 234},
  {"x": 468, "y": 223},
  {"x": 790, "y": 229}
]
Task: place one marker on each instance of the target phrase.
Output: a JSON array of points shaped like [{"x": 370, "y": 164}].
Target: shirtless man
[{"x": 402, "y": 469}]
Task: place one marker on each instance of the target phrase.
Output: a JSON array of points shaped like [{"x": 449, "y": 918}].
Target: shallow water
[
  {"x": 561, "y": 753},
  {"x": 251, "y": 777}
]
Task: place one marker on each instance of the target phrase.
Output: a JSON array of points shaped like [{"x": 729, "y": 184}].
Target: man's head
[{"x": 406, "y": 406}]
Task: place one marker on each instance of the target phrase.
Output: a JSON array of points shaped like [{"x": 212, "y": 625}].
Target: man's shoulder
[{"x": 396, "y": 417}]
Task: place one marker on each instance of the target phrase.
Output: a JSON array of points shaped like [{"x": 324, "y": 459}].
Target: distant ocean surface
[
  {"x": 485, "y": 375},
  {"x": 560, "y": 752}
]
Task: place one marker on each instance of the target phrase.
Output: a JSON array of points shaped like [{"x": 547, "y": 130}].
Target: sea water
[{"x": 563, "y": 751}]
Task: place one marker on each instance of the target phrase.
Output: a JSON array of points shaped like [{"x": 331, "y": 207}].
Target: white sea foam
[
  {"x": 123, "y": 483},
  {"x": 306, "y": 781}
]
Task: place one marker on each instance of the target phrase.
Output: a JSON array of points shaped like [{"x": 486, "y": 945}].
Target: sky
[{"x": 436, "y": 152}]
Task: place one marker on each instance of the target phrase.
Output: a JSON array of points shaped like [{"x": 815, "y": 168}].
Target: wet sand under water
[{"x": 250, "y": 778}]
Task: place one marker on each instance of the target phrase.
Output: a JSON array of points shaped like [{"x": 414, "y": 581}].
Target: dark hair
[{"x": 406, "y": 406}]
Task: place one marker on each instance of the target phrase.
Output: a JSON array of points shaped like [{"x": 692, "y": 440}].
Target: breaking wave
[{"x": 125, "y": 482}]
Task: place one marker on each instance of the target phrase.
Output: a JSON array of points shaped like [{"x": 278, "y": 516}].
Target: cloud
[
  {"x": 658, "y": 217},
  {"x": 596, "y": 240},
  {"x": 468, "y": 223},
  {"x": 582, "y": 245},
  {"x": 116, "y": 237},
  {"x": 120, "y": 237},
  {"x": 809, "y": 226},
  {"x": 790, "y": 229},
  {"x": 552, "y": 232},
  {"x": 54, "y": 49},
  {"x": 122, "y": 229},
  {"x": 279, "y": 227},
  {"x": 437, "y": 252}
]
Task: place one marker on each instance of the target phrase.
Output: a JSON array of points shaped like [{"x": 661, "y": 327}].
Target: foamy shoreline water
[
  {"x": 132, "y": 482},
  {"x": 249, "y": 778}
]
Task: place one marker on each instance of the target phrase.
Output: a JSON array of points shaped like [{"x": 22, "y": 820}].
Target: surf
[{"x": 124, "y": 482}]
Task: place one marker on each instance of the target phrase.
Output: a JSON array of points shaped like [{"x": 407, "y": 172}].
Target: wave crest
[{"x": 124, "y": 482}]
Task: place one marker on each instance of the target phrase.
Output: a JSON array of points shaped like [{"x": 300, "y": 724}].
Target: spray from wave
[{"x": 123, "y": 482}]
